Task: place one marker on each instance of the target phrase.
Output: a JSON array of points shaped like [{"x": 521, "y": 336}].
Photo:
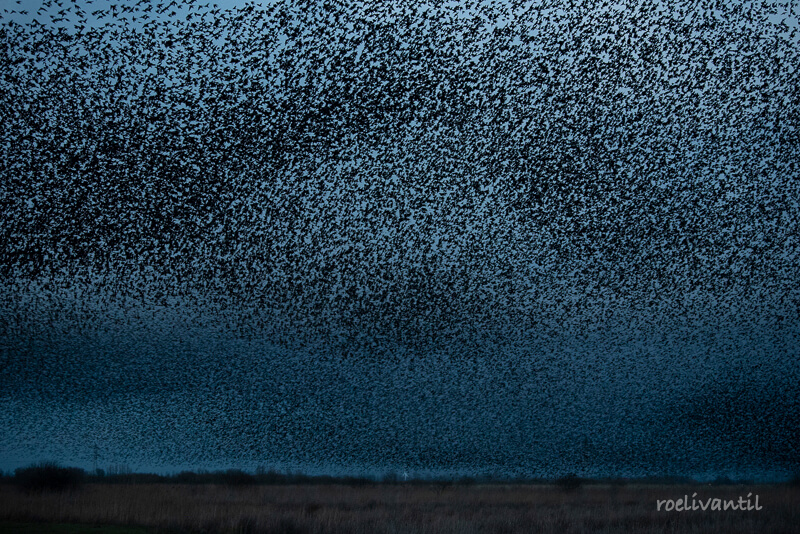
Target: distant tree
[
  {"x": 570, "y": 482},
  {"x": 237, "y": 477},
  {"x": 269, "y": 476},
  {"x": 350, "y": 481},
  {"x": 186, "y": 477},
  {"x": 48, "y": 476},
  {"x": 119, "y": 469}
]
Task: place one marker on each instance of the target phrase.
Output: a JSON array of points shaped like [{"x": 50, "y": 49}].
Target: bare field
[{"x": 403, "y": 508}]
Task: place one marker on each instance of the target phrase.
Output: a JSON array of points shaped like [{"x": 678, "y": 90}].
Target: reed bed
[{"x": 387, "y": 508}]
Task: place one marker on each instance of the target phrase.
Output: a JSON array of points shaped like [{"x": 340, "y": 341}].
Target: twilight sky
[{"x": 527, "y": 239}]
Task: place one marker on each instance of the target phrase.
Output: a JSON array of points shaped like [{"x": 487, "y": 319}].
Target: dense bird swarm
[{"x": 511, "y": 237}]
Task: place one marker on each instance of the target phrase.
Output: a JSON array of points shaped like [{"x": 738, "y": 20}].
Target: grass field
[{"x": 389, "y": 508}]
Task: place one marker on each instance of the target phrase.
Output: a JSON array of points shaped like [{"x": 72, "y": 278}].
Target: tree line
[{"x": 50, "y": 476}]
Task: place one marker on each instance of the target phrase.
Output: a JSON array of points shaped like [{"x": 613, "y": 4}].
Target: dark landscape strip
[{"x": 68, "y": 528}]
